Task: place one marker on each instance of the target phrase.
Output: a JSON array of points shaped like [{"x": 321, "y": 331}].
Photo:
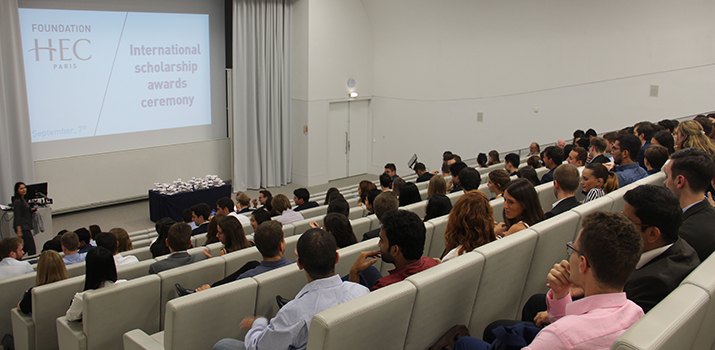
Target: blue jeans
[
  {"x": 229, "y": 344},
  {"x": 469, "y": 343}
]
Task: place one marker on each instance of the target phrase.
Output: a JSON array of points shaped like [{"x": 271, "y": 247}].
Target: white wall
[{"x": 582, "y": 63}]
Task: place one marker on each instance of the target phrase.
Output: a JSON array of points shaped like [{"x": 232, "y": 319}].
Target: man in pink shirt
[{"x": 600, "y": 262}]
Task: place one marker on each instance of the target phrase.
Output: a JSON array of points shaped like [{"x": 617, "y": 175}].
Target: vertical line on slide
[{"x": 110, "y": 74}]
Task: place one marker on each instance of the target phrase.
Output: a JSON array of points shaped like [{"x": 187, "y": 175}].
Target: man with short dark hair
[
  {"x": 625, "y": 153},
  {"x": 511, "y": 163},
  {"x": 455, "y": 169},
  {"x": 186, "y": 217},
  {"x": 688, "y": 174},
  {"x": 263, "y": 196},
  {"x": 371, "y": 195},
  {"x": 178, "y": 241},
  {"x": 110, "y": 243},
  {"x": 391, "y": 170},
  {"x": 11, "y": 253},
  {"x": 655, "y": 158},
  {"x": 644, "y": 131},
  {"x": 290, "y": 327},
  {"x": 225, "y": 207},
  {"x": 577, "y": 157},
  {"x": 597, "y": 146},
  {"x": 200, "y": 216},
  {"x": 384, "y": 203},
  {"x": 385, "y": 182},
  {"x": 301, "y": 197},
  {"x": 84, "y": 241},
  {"x": 666, "y": 259},
  {"x": 70, "y": 246},
  {"x": 422, "y": 174},
  {"x": 566, "y": 181},
  {"x": 469, "y": 179},
  {"x": 553, "y": 157},
  {"x": 402, "y": 241},
  {"x": 590, "y": 133},
  {"x": 610, "y": 138}
]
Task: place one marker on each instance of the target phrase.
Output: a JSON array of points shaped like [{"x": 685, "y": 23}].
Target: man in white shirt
[
  {"x": 225, "y": 206},
  {"x": 11, "y": 254},
  {"x": 70, "y": 246},
  {"x": 109, "y": 242}
]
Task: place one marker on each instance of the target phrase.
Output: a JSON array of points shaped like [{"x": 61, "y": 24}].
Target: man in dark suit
[
  {"x": 553, "y": 157},
  {"x": 688, "y": 174},
  {"x": 178, "y": 241},
  {"x": 666, "y": 259},
  {"x": 301, "y": 197},
  {"x": 566, "y": 180},
  {"x": 200, "y": 214},
  {"x": 597, "y": 146},
  {"x": 421, "y": 171}
]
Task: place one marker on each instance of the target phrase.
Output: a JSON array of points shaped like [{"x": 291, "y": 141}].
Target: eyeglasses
[
  {"x": 614, "y": 148},
  {"x": 570, "y": 250}
]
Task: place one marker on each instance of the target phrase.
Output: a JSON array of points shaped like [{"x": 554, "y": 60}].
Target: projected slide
[{"x": 93, "y": 73}]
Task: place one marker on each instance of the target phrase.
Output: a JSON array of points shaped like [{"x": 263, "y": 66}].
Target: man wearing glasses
[{"x": 625, "y": 154}]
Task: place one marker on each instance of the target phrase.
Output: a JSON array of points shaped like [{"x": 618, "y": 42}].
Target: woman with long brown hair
[
  {"x": 521, "y": 208},
  {"x": 470, "y": 225}
]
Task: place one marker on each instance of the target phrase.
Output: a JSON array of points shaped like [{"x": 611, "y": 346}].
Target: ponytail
[{"x": 611, "y": 184}]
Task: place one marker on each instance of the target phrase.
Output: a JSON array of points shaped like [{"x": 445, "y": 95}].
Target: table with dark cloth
[{"x": 161, "y": 205}]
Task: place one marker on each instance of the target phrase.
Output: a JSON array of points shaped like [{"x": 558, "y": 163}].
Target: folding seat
[
  {"x": 704, "y": 278},
  {"x": 285, "y": 281},
  {"x": 360, "y": 226},
  {"x": 437, "y": 245}
]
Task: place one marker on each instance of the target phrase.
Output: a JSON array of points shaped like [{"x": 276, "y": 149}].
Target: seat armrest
[
  {"x": 23, "y": 330},
  {"x": 138, "y": 340},
  {"x": 70, "y": 335}
]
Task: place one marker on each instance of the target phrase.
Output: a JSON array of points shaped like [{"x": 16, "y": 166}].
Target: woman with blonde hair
[
  {"x": 597, "y": 181},
  {"x": 436, "y": 185},
  {"x": 50, "y": 268},
  {"x": 470, "y": 225},
  {"x": 497, "y": 182},
  {"x": 690, "y": 134},
  {"x": 125, "y": 243}
]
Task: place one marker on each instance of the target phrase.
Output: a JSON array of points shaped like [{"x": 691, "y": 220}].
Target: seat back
[
  {"x": 143, "y": 253},
  {"x": 303, "y": 225},
  {"x": 360, "y": 226},
  {"x": 289, "y": 230},
  {"x": 498, "y": 207},
  {"x": 546, "y": 195},
  {"x": 11, "y": 289},
  {"x": 437, "y": 245},
  {"x": 49, "y": 302},
  {"x": 291, "y": 243},
  {"x": 110, "y": 312},
  {"x": 445, "y": 295},
  {"x": 418, "y": 208},
  {"x": 313, "y": 212},
  {"x": 236, "y": 260},
  {"x": 506, "y": 265},
  {"x": 604, "y": 203},
  {"x": 378, "y": 320},
  {"x": 77, "y": 269},
  {"x": 189, "y": 276},
  {"x": 128, "y": 272},
  {"x": 349, "y": 254},
  {"x": 704, "y": 278},
  {"x": 285, "y": 281},
  {"x": 356, "y": 212},
  {"x": 672, "y": 324},
  {"x": 199, "y": 320}
]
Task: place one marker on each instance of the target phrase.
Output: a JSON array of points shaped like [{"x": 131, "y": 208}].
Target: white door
[{"x": 348, "y": 137}]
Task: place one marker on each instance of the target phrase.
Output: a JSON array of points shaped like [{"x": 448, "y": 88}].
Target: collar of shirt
[
  {"x": 589, "y": 303},
  {"x": 625, "y": 167},
  {"x": 279, "y": 262},
  {"x": 320, "y": 283},
  {"x": 690, "y": 206},
  {"x": 651, "y": 254},
  {"x": 416, "y": 266},
  {"x": 10, "y": 261},
  {"x": 557, "y": 202}
]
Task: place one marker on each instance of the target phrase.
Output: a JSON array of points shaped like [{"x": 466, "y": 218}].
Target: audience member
[
  {"x": 212, "y": 230},
  {"x": 436, "y": 185},
  {"x": 263, "y": 196},
  {"x": 301, "y": 197},
  {"x": 553, "y": 157},
  {"x": 668, "y": 125},
  {"x": 561, "y": 143},
  {"x": 281, "y": 205},
  {"x": 178, "y": 241},
  {"x": 655, "y": 158},
  {"x": 597, "y": 146},
  {"x": 578, "y": 156},
  {"x": 577, "y": 135},
  {"x": 445, "y": 168},
  {"x": 258, "y": 217},
  {"x": 534, "y": 149},
  {"x": 521, "y": 208},
  {"x": 70, "y": 246},
  {"x": 385, "y": 182},
  {"x": 290, "y": 327},
  {"x": 665, "y": 139},
  {"x": 493, "y": 158},
  {"x": 11, "y": 253},
  {"x": 243, "y": 203},
  {"x": 371, "y": 200},
  {"x": 94, "y": 230},
  {"x": 534, "y": 161},
  {"x": 455, "y": 159},
  {"x": 690, "y": 134},
  {"x": 566, "y": 181},
  {"x": 688, "y": 174},
  {"x": 469, "y": 179},
  {"x": 437, "y": 206},
  {"x": 497, "y": 181},
  {"x": 384, "y": 203},
  {"x": 529, "y": 174},
  {"x": 50, "y": 268},
  {"x": 511, "y": 163},
  {"x": 224, "y": 206},
  {"x": 625, "y": 153},
  {"x": 597, "y": 181},
  {"x": 187, "y": 217},
  {"x": 200, "y": 216},
  {"x": 706, "y": 124},
  {"x": 590, "y": 133},
  {"x": 402, "y": 241},
  {"x": 85, "y": 241},
  {"x": 100, "y": 273},
  {"x": 391, "y": 170},
  {"x": 159, "y": 247},
  {"x": 397, "y": 186},
  {"x": 231, "y": 234},
  {"x": 364, "y": 187},
  {"x": 125, "y": 242},
  {"x": 339, "y": 205},
  {"x": 422, "y": 174},
  {"x": 567, "y": 151},
  {"x": 610, "y": 138},
  {"x": 470, "y": 225},
  {"x": 339, "y": 226},
  {"x": 330, "y": 193},
  {"x": 55, "y": 244},
  {"x": 409, "y": 194},
  {"x": 584, "y": 143},
  {"x": 108, "y": 241},
  {"x": 644, "y": 131},
  {"x": 455, "y": 169},
  {"x": 481, "y": 160}
]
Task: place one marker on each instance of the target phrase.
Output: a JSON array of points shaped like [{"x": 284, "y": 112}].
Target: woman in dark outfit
[{"x": 23, "y": 219}]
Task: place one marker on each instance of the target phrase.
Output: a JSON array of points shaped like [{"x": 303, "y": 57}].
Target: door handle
[{"x": 346, "y": 143}]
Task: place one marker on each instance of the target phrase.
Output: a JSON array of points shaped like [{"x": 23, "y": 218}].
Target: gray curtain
[
  {"x": 261, "y": 93},
  {"x": 15, "y": 140}
]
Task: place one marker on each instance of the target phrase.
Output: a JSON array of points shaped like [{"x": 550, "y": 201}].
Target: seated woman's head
[
  {"x": 125, "y": 243},
  {"x": 230, "y": 233},
  {"x": 329, "y": 193},
  {"x": 339, "y": 226},
  {"x": 50, "y": 268},
  {"x": 258, "y": 216},
  {"x": 498, "y": 180},
  {"x": 436, "y": 185},
  {"x": 409, "y": 194},
  {"x": 528, "y": 173},
  {"x": 280, "y": 203},
  {"x": 100, "y": 268},
  {"x": 212, "y": 229},
  {"x": 437, "y": 205},
  {"x": 534, "y": 162},
  {"x": 596, "y": 175},
  {"x": 482, "y": 160},
  {"x": 521, "y": 203},
  {"x": 471, "y": 222}
]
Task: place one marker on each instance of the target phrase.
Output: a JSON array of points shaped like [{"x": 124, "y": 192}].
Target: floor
[{"x": 135, "y": 215}]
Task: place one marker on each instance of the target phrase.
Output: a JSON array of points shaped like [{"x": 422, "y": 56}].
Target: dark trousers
[{"x": 28, "y": 243}]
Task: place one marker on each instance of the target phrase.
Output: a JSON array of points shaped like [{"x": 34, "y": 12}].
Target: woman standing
[{"x": 23, "y": 219}]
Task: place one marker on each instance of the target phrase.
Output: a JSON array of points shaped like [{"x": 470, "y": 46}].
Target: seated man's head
[
  {"x": 385, "y": 202},
  {"x": 553, "y": 157},
  {"x": 469, "y": 179},
  {"x": 263, "y": 195},
  {"x": 655, "y": 157},
  {"x": 301, "y": 196},
  {"x": 109, "y": 241},
  {"x": 11, "y": 248},
  {"x": 385, "y": 181},
  {"x": 402, "y": 237},
  {"x": 420, "y": 168},
  {"x": 390, "y": 169},
  {"x": 656, "y": 212},
  {"x": 534, "y": 148},
  {"x": 605, "y": 253},
  {"x": 84, "y": 238},
  {"x": 224, "y": 206},
  {"x": 185, "y": 215},
  {"x": 200, "y": 213},
  {"x": 566, "y": 180},
  {"x": 269, "y": 239},
  {"x": 511, "y": 162},
  {"x": 626, "y": 148},
  {"x": 179, "y": 237},
  {"x": 317, "y": 253},
  {"x": 578, "y": 157},
  {"x": 455, "y": 169},
  {"x": 70, "y": 243},
  {"x": 597, "y": 146},
  {"x": 689, "y": 171}
]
